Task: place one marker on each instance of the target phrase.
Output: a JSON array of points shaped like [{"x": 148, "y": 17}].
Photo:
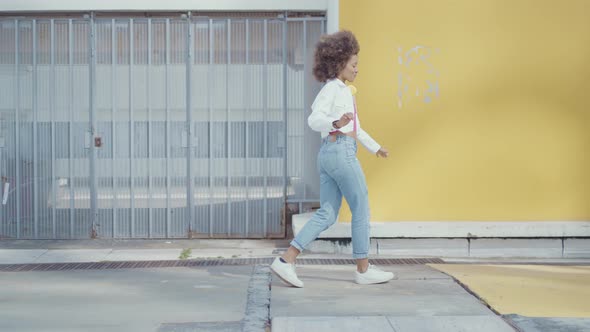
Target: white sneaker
[
  {"x": 373, "y": 275},
  {"x": 286, "y": 272}
]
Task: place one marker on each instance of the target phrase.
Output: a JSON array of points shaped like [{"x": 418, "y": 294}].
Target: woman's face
[{"x": 350, "y": 70}]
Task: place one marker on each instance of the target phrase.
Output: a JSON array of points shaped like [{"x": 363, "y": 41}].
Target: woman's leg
[
  {"x": 355, "y": 192},
  {"x": 291, "y": 255},
  {"x": 354, "y": 188},
  {"x": 362, "y": 265},
  {"x": 330, "y": 202}
]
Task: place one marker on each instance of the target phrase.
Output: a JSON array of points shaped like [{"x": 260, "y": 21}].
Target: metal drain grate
[{"x": 201, "y": 263}]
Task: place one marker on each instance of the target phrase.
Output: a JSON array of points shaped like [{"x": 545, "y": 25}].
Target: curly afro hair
[{"x": 332, "y": 53}]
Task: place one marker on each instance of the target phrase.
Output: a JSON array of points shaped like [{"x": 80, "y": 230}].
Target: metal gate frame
[{"x": 94, "y": 135}]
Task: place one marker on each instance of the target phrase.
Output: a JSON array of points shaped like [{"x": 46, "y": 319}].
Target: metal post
[
  {"x": 189, "y": 122},
  {"x": 305, "y": 70},
  {"x": 247, "y": 131},
  {"x": 17, "y": 131},
  {"x": 52, "y": 115},
  {"x": 265, "y": 137},
  {"x": 149, "y": 110},
  {"x": 168, "y": 156},
  {"x": 92, "y": 60},
  {"x": 285, "y": 115},
  {"x": 114, "y": 123},
  {"x": 228, "y": 127},
  {"x": 131, "y": 131},
  {"x": 71, "y": 124},
  {"x": 209, "y": 98},
  {"x": 35, "y": 182}
]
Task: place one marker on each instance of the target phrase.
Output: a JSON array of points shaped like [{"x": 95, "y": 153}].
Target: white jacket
[{"x": 334, "y": 100}]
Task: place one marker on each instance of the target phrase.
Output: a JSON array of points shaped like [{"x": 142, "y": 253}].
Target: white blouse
[{"x": 334, "y": 100}]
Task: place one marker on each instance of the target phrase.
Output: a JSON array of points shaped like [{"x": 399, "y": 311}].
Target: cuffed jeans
[{"x": 340, "y": 174}]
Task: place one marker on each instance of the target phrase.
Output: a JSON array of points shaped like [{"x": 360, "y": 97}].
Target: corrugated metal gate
[{"x": 104, "y": 120}]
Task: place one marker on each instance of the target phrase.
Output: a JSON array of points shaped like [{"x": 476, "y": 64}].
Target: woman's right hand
[
  {"x": 383, "y": 152},
  {"x": 345, "y": 119}
]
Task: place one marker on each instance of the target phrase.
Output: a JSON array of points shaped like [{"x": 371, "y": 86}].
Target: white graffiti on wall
[{"x": 417, "y": 76}]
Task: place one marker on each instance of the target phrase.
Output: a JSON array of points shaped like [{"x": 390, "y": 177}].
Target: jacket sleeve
[
  {"x": 367, "y": 141},
  {"x": 319, "y": 119}
]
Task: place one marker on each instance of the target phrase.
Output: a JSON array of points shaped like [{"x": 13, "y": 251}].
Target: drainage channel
[{"x": 201, "y": 263}]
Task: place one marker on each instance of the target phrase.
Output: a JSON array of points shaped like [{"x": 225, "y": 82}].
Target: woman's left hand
[{"x": 383, "y": 153}]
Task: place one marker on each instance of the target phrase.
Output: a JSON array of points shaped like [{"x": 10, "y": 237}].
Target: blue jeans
[{"x": 340, "y": 174}]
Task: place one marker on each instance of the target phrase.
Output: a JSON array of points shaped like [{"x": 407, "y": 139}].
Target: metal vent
[{"x": 200, "y": 263}]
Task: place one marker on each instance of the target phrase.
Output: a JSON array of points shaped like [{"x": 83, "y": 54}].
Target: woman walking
[{"x": 334, "y": 114}]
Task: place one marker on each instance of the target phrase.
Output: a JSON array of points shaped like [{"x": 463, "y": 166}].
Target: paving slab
[
  {"x": 73, "y": 255},
  {"x": 450, "y": 323},
  {"x": 20, "y": 256},
  {"x": 552, "y": 324},
  {"x": 415, "y": 272},
  {"x": 330, "y": 291},
  {"x": 143, "y": 254},
  {"x": 122, "y": 299},
  {"x": 331, "y": 324},
  {"x": 201, "y": 327},
  {"x": 231, "y": 252},
  {"x": 393, "y": 324}
]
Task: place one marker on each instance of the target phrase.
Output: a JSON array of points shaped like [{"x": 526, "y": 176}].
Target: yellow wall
[{"x": 508, "y": 138}]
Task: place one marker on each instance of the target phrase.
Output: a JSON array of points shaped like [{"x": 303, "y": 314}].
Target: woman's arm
[
  {"x": 367, "y": 141},
  {"x": 319, "y": 119}
]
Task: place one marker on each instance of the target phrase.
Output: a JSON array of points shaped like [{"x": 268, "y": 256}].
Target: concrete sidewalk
[
  {"x": 237, "y": 298},
  {"x": 234, "y": 298}
]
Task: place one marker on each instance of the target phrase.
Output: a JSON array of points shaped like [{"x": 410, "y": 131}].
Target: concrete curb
[{"x": 456, "y": 248}]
